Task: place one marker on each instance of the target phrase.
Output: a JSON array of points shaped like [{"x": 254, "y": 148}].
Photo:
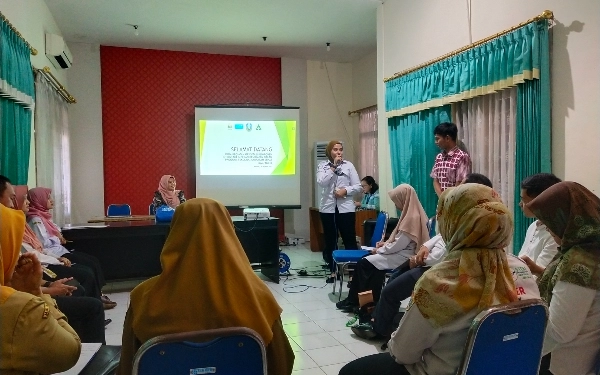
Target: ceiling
[{"x": 294, "y": 28}]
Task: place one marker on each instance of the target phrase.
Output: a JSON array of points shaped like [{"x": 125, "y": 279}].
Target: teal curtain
[
  {"x": 16, "y": 100},
  {"x": 413, "y": 152},
  {"x": 500, "y": 63},
  {"x": 534, "y": 125}
]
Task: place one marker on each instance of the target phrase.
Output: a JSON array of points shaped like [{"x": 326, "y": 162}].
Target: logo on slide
[
  {"x": 249, "y": 126},
  {"x": 258, "y": 127},
  {"x": 239, "y": 126}
]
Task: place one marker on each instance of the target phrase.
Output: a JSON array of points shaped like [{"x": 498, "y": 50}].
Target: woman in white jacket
[{"x": 408, "y": 236}]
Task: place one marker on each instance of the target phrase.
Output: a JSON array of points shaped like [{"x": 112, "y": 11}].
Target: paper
[
  {"x": 85, "y": 226},
  {"x": 88, "y": 350},
  {"x": 367, "y": 248}
]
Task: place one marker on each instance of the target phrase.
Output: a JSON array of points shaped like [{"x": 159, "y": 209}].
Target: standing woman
[
  {"x": 339, "y": 181},
  {"x": 571, "y": 283},
  {"x": 166, "y": 195},
  {"x": 370, "y": 200}
]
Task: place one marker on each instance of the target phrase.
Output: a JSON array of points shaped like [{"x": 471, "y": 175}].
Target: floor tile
[
  {"x": 315, "y": 341},
  {"x": 299, "y": 329},
  {"x": 331, "y": 355}
]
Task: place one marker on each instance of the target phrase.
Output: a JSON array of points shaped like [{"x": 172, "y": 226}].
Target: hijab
[
  {"x": 476, "y": 227},
  {"x": 330, "y": 147},
  {"x": 38, "y": 207},
  {"x": 12, "y": 225},
  {"x": 206, "y": 281},
  {"x": 572, "y": 213},
  {"x": 413, "y": 220},
  {"x": 170, "y": 197},
  {"x": 29, "y": 237}
]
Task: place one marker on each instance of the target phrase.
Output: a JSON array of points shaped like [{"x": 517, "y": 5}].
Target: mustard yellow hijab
[
  {"x": 206, "y": 280},
  {"x": 12, "y": 226},
  {"x": 476, "y": 227}
]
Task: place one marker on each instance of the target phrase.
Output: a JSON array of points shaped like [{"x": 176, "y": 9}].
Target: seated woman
[
  {"x": 370, "y": 200},
  {"x": 87, "y": 269},
  {"x": 195, "y": 291},
  {"x": 476, "y": 227},
  {"x": 34, "y": 335},
  {"x": 408, "y": 236},
  {"x": 570, "y": 284},
  {"x": 166, "y": 195}
]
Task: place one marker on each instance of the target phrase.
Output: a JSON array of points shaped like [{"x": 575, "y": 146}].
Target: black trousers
[
  {"x": 83, "y": 274},
  {"x": 90, "y": 261},
  {"x": 85, "y": 315},
  {"x": 380, "y": 364},
  {"x": 366, "y": 277},
  {"x": 396, "y": 290},
  {"x": 334, "y": 223}
]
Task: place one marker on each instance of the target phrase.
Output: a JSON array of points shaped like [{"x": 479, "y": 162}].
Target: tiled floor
[{"x": 316, "y": 329}]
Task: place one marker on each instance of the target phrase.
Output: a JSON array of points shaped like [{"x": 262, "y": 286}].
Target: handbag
[{"x": 164, "y": 214}]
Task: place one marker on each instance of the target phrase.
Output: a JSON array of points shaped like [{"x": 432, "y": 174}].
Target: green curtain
[
  {"x": 534, "y": 125},
  {"x": 16, "y": 100},
  {"x": 413, "y": 152},
  {"x": 500, "y": 63}
]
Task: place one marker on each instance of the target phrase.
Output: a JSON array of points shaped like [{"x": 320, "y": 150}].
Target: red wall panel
[{"x": 148, "y": 99}]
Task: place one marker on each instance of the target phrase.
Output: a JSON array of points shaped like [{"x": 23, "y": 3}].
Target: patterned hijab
[
  {"x": 171, "y": 197},
  {"x": 572, "y": 213},
  {"x": 413, "y": 220},
  {"x": 476, "y": 227},
  {"x": 12, "y": 225},
  {"x": 206, "y": 281},
  {"x": 38, "y": 206}
]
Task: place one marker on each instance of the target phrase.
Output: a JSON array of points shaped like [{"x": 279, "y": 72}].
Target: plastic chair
[
  {"x": 225, "y": 351},
  {"x": 506, "y": 339},
  {"x": 121, "y": 209},
  {"x": 343, "y": 258}
]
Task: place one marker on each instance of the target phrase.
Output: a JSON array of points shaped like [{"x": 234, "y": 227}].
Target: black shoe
[
  {"x": 351, "y": 308},
  {"x": 365, "y": 331},
  {"x": 343, "y": 303},
  {"x": 107, "y": 322},
  {"x": 330, "y": 279}
]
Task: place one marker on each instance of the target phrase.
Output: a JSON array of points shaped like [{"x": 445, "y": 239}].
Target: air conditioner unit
[
  {"x": 318, "y": 156},
  {"x": 58, "y": 52}
]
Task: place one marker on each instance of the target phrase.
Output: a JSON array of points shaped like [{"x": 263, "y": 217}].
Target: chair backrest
[
  {"x": 120, "y": 209},
  {"x": 380, "y": 226},
  {"x": 151, "y": 209},
  {"x": 225, "y": 351},
  {"x": 506, "y": 339},
  {"x": 431, "y": 226}
]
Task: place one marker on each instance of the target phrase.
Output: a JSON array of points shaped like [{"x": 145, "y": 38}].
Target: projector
[{"x": 256, "y": 213}]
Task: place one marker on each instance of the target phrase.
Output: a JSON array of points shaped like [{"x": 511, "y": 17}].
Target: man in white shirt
[{"x": 539, "y": 247}]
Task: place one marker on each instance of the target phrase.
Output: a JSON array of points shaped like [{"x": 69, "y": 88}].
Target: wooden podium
[{"x": 317, "y": 240}]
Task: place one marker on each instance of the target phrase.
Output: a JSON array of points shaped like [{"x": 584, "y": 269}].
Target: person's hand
[
  {"x": 412, "y": 262},
  {"x": 340, "y": 193},
  {"x": 422, "y": 254},
  {"x": 379, "y": 244},
  {"x": 533, "y": 267},
  {"x": 337, "y": 161},
  {"x": 65, "y": 261},
  {"x": 357, "y": 204},
  {"x": 28, "y": 275},
  {"x": 59, "y": 288},
  {"x": 374, "y": 250}
]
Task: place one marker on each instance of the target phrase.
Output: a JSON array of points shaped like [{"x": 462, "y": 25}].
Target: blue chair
[
  {"x": 225, "y": 351},
  {"x": 121, "y": 209},
  {"x": 506, "y": 339},
  {"x": 431, "y": 226},
  {"x": 343, "y": 258}
]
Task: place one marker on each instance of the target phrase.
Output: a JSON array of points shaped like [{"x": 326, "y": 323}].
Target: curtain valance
[{"x": 499, "y": 63}]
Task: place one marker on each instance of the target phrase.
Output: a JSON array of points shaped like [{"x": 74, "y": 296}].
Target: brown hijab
[
  {"x": 330, "y": 147},
  {"x": 571, "y": 212},
  {"x": 413, "y": 220},
  {"x": 206, "y": 281}
]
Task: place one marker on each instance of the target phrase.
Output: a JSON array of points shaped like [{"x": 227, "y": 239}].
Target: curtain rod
[
  {"x": 350, "y": 113},
  {"x": 60, "y": 89},
  {"x": 31, "y": 49},
  {"x": 546, "y": 15}
]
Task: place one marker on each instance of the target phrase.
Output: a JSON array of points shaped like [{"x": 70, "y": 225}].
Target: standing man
[{"x": 452, "y": 164}]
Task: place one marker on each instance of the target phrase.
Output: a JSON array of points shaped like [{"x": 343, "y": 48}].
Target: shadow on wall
[{"x": 563, "y": 98}]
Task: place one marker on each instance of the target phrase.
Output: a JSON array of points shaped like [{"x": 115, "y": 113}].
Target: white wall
[
  {"x": 293, "y": 94},
  {"x": 85, "y": 128},
  {"x": 33, "y": 20},
  {"x": 412, "y": 32}
]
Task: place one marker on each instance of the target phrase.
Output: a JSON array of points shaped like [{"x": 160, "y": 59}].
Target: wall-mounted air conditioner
[{"x": 57, "y": 52}]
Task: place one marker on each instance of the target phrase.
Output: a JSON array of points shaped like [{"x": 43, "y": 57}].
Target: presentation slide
[
  {"x": 248, "y": 156},
  {"x": 247, "y": 148}
]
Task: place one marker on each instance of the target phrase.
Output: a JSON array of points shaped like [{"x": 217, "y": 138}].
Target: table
[{"x": 131, "y": 249}]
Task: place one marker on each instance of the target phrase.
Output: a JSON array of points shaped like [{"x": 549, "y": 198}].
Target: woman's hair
[
  {"x": 535, "y": 184},
  {"x": 371, "y": 181}
]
